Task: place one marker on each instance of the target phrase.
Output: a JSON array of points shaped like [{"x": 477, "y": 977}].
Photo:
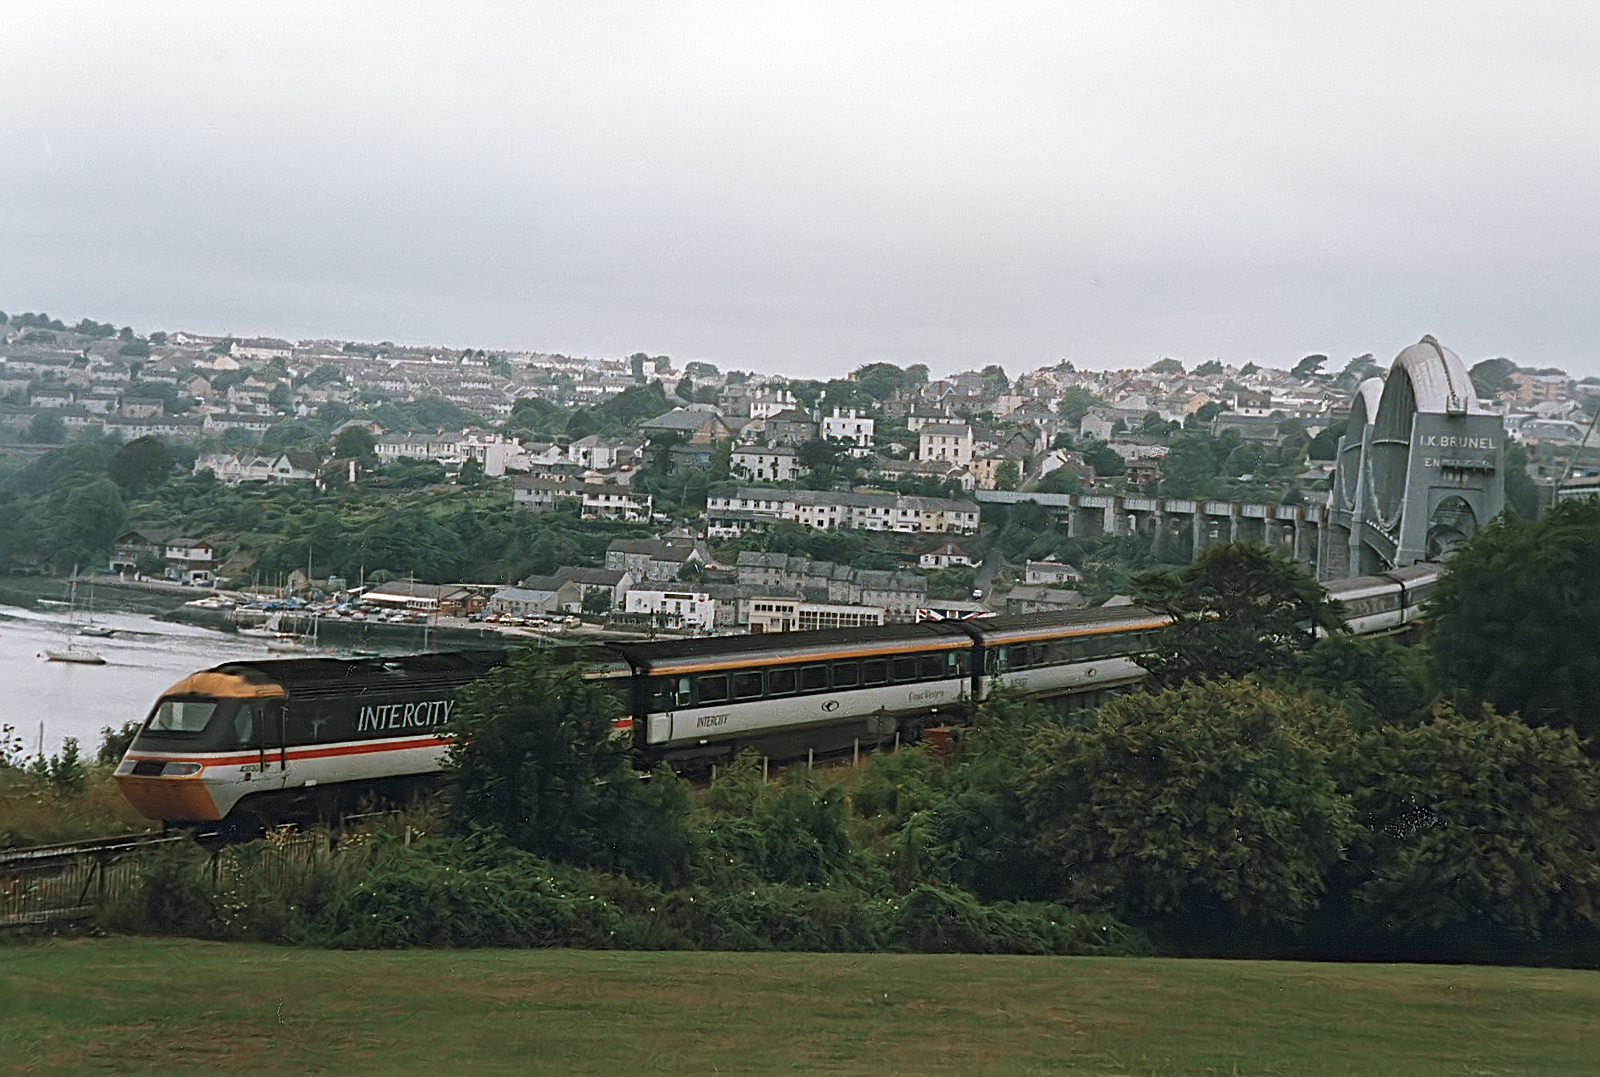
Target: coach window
[
  {"x": 905, "y": 669},
  {"x": 875, "y": 672},
  {"x": 930, "y": 667},
  {"x": 846, "y": 674},
  {"x": 244, "y": 725},
  {"x": 780, "y": 682},
  {"x": 714, "y": 689},
  {"x": 814, "y": 678},
  {"x": 670, "y": 693},
  {"x": 747, "y": 685}
]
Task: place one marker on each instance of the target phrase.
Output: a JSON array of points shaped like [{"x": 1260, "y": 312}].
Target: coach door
[{"x": 259, "y": 723}]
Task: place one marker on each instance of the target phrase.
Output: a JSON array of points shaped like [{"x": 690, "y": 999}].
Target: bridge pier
[
  {"x": 1091, "y": 514},
  {"x": 1302, "y": 536}
]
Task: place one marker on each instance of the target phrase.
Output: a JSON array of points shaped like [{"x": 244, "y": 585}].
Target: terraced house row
[{"x": 744, "y": 508}]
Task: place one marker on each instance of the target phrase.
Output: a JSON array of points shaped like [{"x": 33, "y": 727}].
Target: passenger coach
[{"x": 253, "y": 742}]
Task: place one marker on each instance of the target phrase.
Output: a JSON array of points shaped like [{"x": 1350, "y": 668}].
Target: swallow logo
[{"x": 831, "y": 705}]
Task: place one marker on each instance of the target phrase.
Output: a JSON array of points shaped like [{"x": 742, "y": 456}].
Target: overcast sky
[{"x": 806, "y": 188}]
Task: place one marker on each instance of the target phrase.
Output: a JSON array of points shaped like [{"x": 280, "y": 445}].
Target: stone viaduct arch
[{"x": 1420, "y": 467}]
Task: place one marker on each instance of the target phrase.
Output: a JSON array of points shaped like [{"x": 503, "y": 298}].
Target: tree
[
  {"x": 325, "y": 374},
  {"x": 1249, "y": 369},
  {"x": 685, "y": 389},
  {"x": 1515, "y": 617},
  {"x": 994, "y": 378},
  {"x": 355, "y": 442},
  {"x": 662, "y": 442},
  {"x": 880, "y": 380},
  {"x": 827, "y": 459},
  {"x": 1325, "y": 446},
  {"x": 1374, "y": 679},
  {"x": 1075, "y": 403},
  {"x": 1063, "y": 480},
  {"x": 1236, "y": 609},
  {"x": 1166, "y": 366},
  {"x": 280, "y": 397},
  {"x": 1104, "y": 459},
  {"x": 696, "y": 369},
  {"x": 535, "y": 757},
  {"x": 334, "y": 412},
  {"x": 636, "y": 363},
  {"x": 1208, "y": 368},
  {"x": 596, "y": 602},
  {"x": 721, "y": 462},
  {"x": 1190, "y": 465},
  {"x": 140, "y": 464},
  {"x": 46, "y": 427},
  {"x": 954, "y": 582},
  {"x": 471, "y": 473},
  {"x": 1007, "y": 475},
  {"x": 1474, "y": 819},
  {"x": 1521, "y": 493},
  {"x": 1204, "y": 798},
  {"x": 84, "y": 518},
  {"x": 1308, "y": 366},
  {"x": 1492, "y": 377},
  {"x": 1356, "y": 371}
]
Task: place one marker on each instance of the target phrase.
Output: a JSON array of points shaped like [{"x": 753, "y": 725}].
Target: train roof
[
  {"x": 718, "y": 652},
  {"x": 1058, "y": 623},
  {"x": 312, "y": 676},
  {"x": 1363, "y": 586},
  {"x": 1421, "y": 572}
]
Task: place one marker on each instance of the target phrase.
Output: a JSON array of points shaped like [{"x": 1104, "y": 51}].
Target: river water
[{"x": 145, "y": 657}]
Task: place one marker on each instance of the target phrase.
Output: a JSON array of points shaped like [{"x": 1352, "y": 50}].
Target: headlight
[{"x": 180, "y": 770}]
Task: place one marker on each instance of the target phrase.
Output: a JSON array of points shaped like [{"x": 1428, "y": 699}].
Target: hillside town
[{"x": 703, "y": 470}]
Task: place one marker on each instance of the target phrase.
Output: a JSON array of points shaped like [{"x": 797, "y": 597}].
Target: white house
[
  {"x": 608, "y": 502},
  {"x": 262, "y": 348},
  {"x": 776, "y": 613},
  {"x": 848, "y": 425},
  {"x": 945, "y": 556},
  {"x": 1050, "y": 572},
  {"x": 686, "y": 609},
  {"x": 950, "y": 442},
  {"x": 767, "y": 405},
  {"x": 766, "y": 463}
]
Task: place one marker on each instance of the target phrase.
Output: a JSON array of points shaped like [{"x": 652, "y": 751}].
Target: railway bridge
[
  {"x": 1290, "y": 529},
  {"x": 1421, "y": 467}
]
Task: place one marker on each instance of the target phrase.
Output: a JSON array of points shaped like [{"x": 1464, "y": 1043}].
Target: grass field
[{"x": 72, "y": 1006}]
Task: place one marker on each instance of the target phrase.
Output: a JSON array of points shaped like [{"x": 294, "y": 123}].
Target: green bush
[
  {"x": 1475, "y": 820},
  {"x": 1206, "y": 796},
  {"x": 377, "y": 891}
]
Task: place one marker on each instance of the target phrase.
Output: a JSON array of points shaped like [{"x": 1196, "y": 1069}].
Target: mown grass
[{"x": 134, "y": 1004}]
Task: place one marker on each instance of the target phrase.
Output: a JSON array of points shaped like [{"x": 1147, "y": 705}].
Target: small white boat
[{"x": 97, "y": 631}]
